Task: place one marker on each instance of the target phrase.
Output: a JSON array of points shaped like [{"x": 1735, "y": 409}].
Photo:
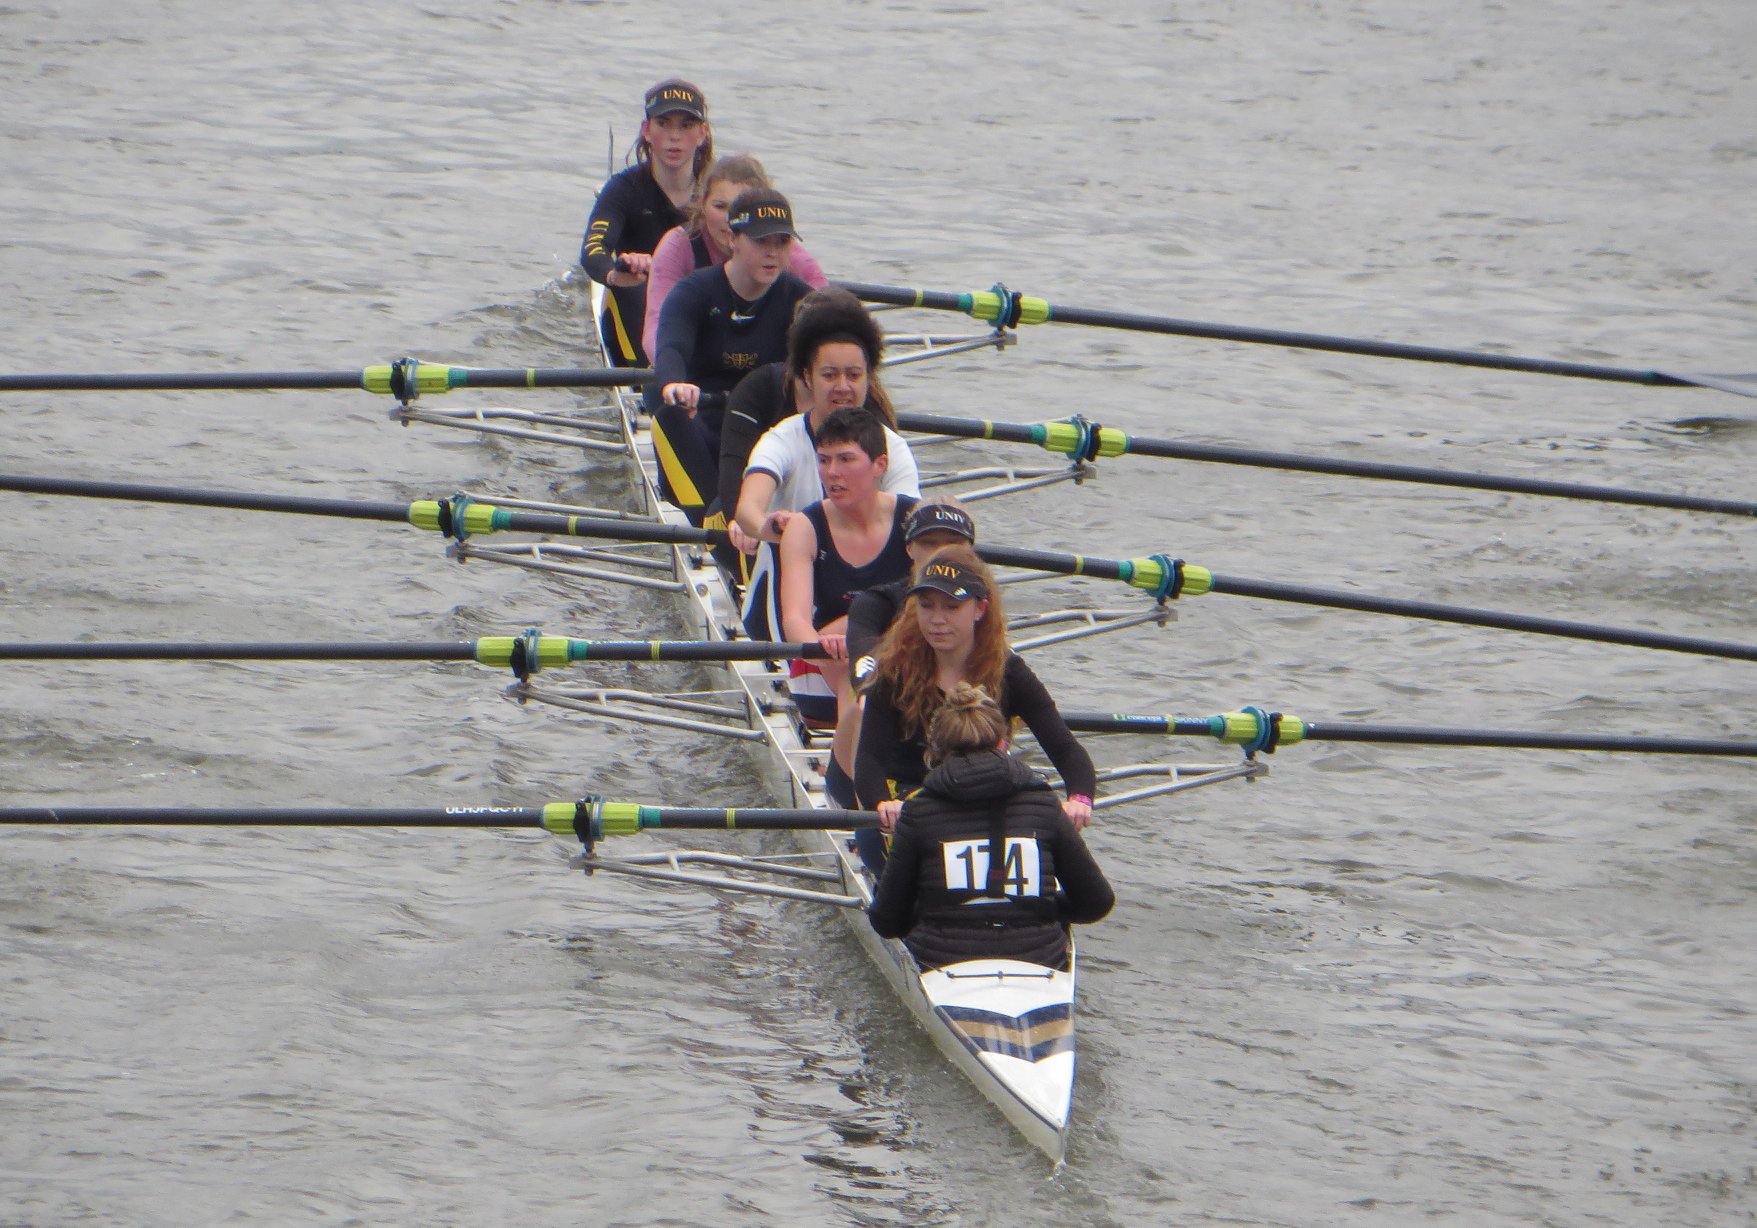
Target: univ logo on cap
[
  {"x": 939, "y": 517},
  {"x": 953, "y": 580},
  {"x": 669, "y": 96}
]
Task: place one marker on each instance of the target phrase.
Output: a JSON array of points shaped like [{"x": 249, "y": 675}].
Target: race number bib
[{"x": 967, "y": 866}]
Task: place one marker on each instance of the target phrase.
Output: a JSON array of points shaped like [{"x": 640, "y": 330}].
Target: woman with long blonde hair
[{"x": 952, "y": 630}]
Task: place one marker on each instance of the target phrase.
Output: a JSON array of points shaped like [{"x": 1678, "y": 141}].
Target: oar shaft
[
  {"x": 459, "y": 650},
  {"x": 276, "y": 816},
  {"x": 496, "y": 650},
  {"x": 194, "y": 381},
  {"x": 305, "y": 505},
  {"x": 1039, "y": 311},
  {"x": 1114, "y": 442},
  {"x": 1338, "y": 600},
  {"x": 428, "y": 514},
  {"x": 1231, "y": 728},
  {"x": 1526, "y": 740},
  {"x": 1348, "y": 345},
  {"x": 588, "y": 819}
]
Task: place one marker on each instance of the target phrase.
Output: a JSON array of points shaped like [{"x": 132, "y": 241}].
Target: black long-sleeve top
[
  {"x": 985, "y": 865},
  {"x": 757, "y": 402},
  {"x": 888, "y": 765},
  {"x": 631, "y": 215},
  {"x": 711, "y": 338}
]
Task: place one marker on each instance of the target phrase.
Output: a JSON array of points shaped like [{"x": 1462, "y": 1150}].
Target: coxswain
[
  {"x": 849, "y": 541},
  {"x": 705, "y": 238},
  {"x": 717, "y": 325},
  {"x": 952, "y": 629},
  {"x": 833, "y": 352},
  {"x": 638, "y": 205},
  {"x": 984, "y": 863}
]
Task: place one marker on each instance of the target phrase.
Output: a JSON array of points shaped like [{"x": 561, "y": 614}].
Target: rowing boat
[{"x": 1007, "y": 1025}]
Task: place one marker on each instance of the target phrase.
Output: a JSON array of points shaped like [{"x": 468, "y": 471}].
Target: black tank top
[{"x": 835, "y": 583}]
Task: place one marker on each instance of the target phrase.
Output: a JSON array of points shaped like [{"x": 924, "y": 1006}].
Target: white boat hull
[{"x": 1009, "y": 1026}]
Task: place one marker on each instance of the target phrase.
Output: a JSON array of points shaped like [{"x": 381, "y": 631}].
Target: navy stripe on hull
[{"x": 1030, "y": 1037}]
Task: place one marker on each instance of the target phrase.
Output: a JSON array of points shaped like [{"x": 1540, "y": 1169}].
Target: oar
[
  {"x": 457, "y": 517},
  {"x": 589, "y": 819},
  {"x": 524, "y": 654},
  {"x": 405, "y": 379},
  {"x": 1166, "y": 577},
  {"x": 1086, "y": 441},
  {"x": 1159, "y": 574},
  {"x": 1254, "y": 729},
  {"x": 1007, "y": 310}
]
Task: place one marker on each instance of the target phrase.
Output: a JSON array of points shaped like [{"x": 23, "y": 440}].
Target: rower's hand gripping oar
[
  {"x": 1007, "y": 309},
  {"x": 1255, "y": 730},
  {"x": 1161, "y": 575}
]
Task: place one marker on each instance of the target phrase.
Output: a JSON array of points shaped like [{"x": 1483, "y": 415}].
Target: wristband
[{"x": 1080, "y": 797}]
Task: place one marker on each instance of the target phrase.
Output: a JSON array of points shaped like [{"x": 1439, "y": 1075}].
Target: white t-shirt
[{"x": 787, "y": 452}]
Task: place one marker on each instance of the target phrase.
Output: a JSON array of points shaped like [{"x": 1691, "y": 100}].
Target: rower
[
  {"x": 716, "y": 326},
  {"x": 638, "y": 205},
  {"x": 850, "y": 540},
  {"x": 704, "y": 238},
  {"x": 952, "y": 629},
  {"x": 981, "y": 850},
  {"x": 833, "y": 352}
]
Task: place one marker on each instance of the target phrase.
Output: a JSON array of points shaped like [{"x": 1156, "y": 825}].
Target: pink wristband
[{"x": 1079, "y": 797}]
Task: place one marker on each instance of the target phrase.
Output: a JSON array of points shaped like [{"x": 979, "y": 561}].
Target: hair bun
[{"x": 964, "y": 696}]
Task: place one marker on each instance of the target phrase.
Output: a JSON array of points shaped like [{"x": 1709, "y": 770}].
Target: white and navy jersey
[{"x": 787, "y": 452}]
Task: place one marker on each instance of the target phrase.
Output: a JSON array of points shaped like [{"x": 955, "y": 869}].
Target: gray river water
[{"x": 1382, "y": 986}]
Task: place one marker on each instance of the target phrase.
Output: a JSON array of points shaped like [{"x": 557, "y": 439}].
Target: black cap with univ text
[
  {"x": 936, "y": 518},
  {"x": 669, "y": 96},
  {"x": 761, "y": 212},
  {"x": 956, "y": 582}
]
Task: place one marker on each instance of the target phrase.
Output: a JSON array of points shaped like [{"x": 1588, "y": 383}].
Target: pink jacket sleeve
[
  {"x": 804, "y": 267},
  {"x": 672, "y": 262}
]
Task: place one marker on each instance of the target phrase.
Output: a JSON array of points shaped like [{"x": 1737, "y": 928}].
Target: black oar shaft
[
  {"x": 587, "y": 819},
  {"x": 1169, "y": 449},
  {"x": 1337, "y": 599},
  {"x": 1302, "y": 730},
  {"x": 192, "y": 381},
  {"x": 498, "y": 518},
  {"x": 1418, "y": 735},
  {"x": 497, "y": 651},
  {"x": 277, "y": 816},
  {"x": 458, "y": 650},
  {"x": 1434, "y": 611},
  {"x": 305, "y": 505},
  {"x": 1347, "y": 345},
  {"x": 1006, "y": 556},
  {"x": 1171, "y": 325}
]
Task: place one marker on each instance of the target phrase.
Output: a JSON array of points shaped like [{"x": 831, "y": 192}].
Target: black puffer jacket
[{"x": 937, "y": 892}]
